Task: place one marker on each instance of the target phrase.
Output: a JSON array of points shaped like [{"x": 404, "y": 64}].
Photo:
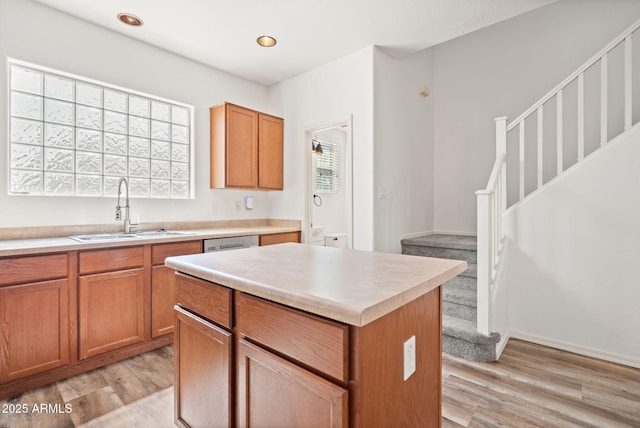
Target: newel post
[{"x": 484, "y": 232}]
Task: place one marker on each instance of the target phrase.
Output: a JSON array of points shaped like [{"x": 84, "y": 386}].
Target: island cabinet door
[
  {"x": 203, "y": 373},
  {"x": 273, "y": 392}
]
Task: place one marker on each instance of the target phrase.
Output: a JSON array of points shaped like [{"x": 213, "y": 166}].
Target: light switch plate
[{"x": 409, "y": 357}]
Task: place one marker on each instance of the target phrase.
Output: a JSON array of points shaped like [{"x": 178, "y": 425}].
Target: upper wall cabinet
[{"x": 246, "y": 148}]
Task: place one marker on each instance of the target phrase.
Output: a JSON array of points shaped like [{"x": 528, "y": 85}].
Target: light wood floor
[{"x": 530, "y": 386}]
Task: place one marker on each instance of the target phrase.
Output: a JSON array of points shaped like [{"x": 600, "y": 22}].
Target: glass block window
[
  {"x": 71, "y": 136},
  {"x": 327, "y": 168}
]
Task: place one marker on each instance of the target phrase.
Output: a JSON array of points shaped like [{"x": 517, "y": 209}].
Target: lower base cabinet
[
  {"x": 202, "y": 356},
  {"x": 110, "y": 311},
  {"x": 259, "y": 364},
  {"x": 272, "y": 392},
  {"x": 34, "y": 323}
]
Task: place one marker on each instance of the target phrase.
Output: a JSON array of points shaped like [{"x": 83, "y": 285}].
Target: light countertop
[
  {"x": 350, "y": 286},
  {"x": 196, "y": 231}
]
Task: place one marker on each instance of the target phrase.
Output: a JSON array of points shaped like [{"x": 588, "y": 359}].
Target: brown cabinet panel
[
  {"x": 159, "y": 252},
  {"x": 34, "y": 328},
  {"x": 241, "y": 147},
  {"x": 309, "y": 339},
  {"x": 382, "y": 397},
  {"x": 270, "y": 152},
  {"x": 234, "y": 146},
  {"x": 163, "y": 297},
  {"x": 19, "y": 270},
  {"x": 246, "y": 148},
  {"x": 111, "y": 259},
  {"x": 203, "y": 373},
  {"x": 211, "y": 301},
  {"x": 110, "y": 311},
  {"x": 279, "y": 238},
  {"x": 273, "y": 392}
]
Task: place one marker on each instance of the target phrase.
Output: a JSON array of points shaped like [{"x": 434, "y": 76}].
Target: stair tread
[
  {"x": 466, "y": 330},
  {"x": 460, "y": 296},
  {"x": 458, "y": 242}
]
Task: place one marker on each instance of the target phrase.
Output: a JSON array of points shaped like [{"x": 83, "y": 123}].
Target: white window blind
[
  {"x": 327, "y": 168},
  {"x": 72, "y": 136}
]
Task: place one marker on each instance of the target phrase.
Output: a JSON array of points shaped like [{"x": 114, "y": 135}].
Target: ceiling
[{"x": 222, "y": 33}]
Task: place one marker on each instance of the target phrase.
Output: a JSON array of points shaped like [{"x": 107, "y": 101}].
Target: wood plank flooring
[{"x": 531, "y": 386}]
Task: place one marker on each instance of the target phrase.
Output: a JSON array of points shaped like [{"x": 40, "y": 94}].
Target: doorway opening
[{"x": 328, "y": 191}]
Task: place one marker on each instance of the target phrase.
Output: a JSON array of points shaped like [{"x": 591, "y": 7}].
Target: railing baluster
[
  {"x": 580, "y": 117},
  {"x": 627, "y": 82},
  {"x": 559, "y": 132},
  {"x": 604, "y": 86},
  {"x": 522, "y": 160},
  {"x": 540, "y": 146}
]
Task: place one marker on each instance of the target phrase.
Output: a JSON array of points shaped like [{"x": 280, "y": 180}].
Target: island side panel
[{"x": 379, "y": 396}]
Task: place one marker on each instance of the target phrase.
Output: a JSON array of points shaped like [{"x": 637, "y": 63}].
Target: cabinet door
[
  {"x": 34, "y": 328},
  {"x": 202, "y": 372},
  {"x": 272, "y": 392},
  {"x": 163, "y": 296},
  {"x": 270, "y": 152},
  {"x": 279, "y": 238},
  {"x": 241, "y": 147},
  {"x": 110, "y": 311}
]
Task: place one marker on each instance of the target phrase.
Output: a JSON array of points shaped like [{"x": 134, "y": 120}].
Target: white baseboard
[
  {"x": 577, "y": 349},
  {"x": 436, "y": 232},
  {"x": 502, "y": 344},
  {"x": 414, "y": 235}
]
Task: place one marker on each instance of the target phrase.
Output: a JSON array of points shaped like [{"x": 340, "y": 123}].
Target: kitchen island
[{"x": 302, "y": 335}]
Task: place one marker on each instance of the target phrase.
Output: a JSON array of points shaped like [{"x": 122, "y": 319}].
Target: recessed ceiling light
[
  {"x": 130, "y": 19},
  {"x": 266, "y": 41}
]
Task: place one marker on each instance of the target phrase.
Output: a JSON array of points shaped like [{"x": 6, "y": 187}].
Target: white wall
[
  {"x": 40, "y": 35},
  {"x": 403, "y": 148},
  {"x": 336, "y": 90},
  {"x": 571, "y": 259},
  {"x": 500, "y": 71}
]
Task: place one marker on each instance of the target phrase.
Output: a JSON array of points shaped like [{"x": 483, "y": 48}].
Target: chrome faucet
[{"x": 128, "y": 225}]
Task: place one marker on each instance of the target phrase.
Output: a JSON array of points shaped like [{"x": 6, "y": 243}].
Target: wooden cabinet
[
  {"x": 163, "y": 284},
  {"x": 270, "y": 152},
  {"x": 34, "y": 328},
  {"x": 303, "y": 398},
  {"x": 246, "y": 148},
  {"x": 203, "y": 354},
  {"x": 293, "y": 368},
  {"x": 34, "y": 315},
  {"x": 111, "y": 305},
  {"x": 110, "y": 311},
  {"x": 279, "y": 238}
]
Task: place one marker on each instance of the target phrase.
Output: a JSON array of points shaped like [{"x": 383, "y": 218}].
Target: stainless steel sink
[
  {"x": 109, "y": 237},
  {"x": 103, "y": 237}
]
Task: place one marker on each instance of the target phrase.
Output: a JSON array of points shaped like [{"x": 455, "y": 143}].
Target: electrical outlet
[
  {"x": 214, "y": 206},
  {"x": 409, "y": 357}
]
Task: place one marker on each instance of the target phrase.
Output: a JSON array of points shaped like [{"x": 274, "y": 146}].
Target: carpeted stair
[{"x": 460, "y": 336}]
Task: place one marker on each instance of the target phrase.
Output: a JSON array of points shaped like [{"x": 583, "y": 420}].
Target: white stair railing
[{"x": 492, "y": 201}]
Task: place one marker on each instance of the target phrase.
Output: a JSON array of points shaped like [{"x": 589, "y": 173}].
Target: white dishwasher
[{"x": 230, "y": 243}]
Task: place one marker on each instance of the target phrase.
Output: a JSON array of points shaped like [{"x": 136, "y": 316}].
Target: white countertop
[
  {"x": 350, "y": 286},
  {"x": 15, "y": 247}
]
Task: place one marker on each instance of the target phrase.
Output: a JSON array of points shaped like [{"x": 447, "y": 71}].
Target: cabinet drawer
[
  {"x": 313, "y": 341},
  {"x": 209, "y": 300},
  {"x": 159, "y": 252},
  {"x": 17, "y": 270},
  {"x": 112, "y": 259},
  {"x": 279, "y": 238}
]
